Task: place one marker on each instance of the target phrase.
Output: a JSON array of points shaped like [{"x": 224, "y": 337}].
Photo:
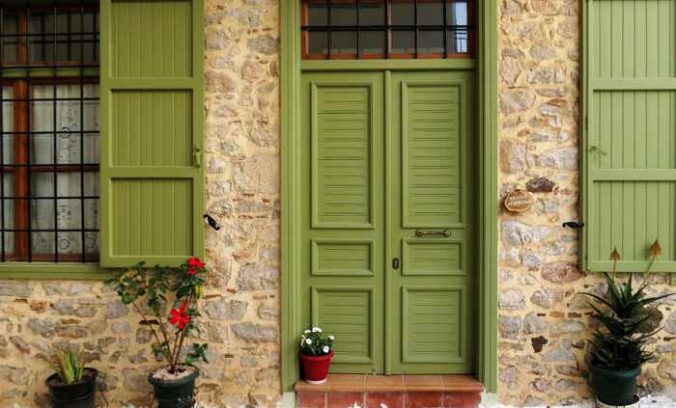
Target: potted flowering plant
[
  {"x": 316, "y": 352},
  {"x": 170, "y": 296}
]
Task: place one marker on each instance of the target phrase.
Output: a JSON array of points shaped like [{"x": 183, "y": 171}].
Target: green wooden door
[
  {"x": 386, "y": 154},
  {"x": 429, "y": 224}
]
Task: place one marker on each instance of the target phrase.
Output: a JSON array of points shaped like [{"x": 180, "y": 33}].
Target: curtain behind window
[{"x": 68, "y": 147}]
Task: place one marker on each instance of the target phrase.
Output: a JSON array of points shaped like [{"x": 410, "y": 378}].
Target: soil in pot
[
  {"x": 174, "y": 390},
  {"x": 614, "y": 387},
  {"x": 80, "y": 394},
  {"x": 316, "y": 369}
]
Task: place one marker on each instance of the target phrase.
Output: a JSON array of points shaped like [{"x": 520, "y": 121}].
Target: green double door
[{"x": 387, "y": 219}]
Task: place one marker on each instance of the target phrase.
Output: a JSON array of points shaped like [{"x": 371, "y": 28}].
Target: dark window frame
[
  {"x": 21, "y": 75},
  {"x": 388, "y": 29}
]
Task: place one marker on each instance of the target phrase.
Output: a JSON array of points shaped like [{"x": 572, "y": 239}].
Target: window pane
[
  {"x": 318, "y": 43},
  {"x": 430, "y": 12},
  {"x": 372, "y": 13},
  {"x": 402, "y": 12},
  {"x": 91, "y": 246},
  {"x": 68, "y": 123},
  {"x": 317, "y": 14},
  {"x": 456, "y": 13},
  {"x": 372, "y": 42},
  {"x": 10, "y": 47},
  {"x": 403, "y": 42},
  {"x": 343, "y": 42},
  {"x": 344, "y": 14},
  {"x": 457, "y": 41},
  {"x": 430, "y": 42}
]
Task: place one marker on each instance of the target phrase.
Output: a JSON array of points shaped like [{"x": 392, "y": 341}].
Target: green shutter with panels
[
  {"x": 152, "y": 178},
  {"x": 629, "y": 133}
]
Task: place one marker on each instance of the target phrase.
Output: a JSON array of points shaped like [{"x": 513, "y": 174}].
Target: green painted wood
[
  {"x": 292, "y": 183},
  {"x": 418, "y": 164},
  {"x": 342, "y": 214},
  {"x": 488, "y": 207},
  {"x": 152, "y": 179},
  {"x": 430, "y": 188},
  {"x": 389, "y": 64},
  {"x": 290, "y": 279},
  {"x": 629, "y": 152}
]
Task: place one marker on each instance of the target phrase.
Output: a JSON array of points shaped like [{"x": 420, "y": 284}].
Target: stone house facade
[{"x": 541, "y": 325}]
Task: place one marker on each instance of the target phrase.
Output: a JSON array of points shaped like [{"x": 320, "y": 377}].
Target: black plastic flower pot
[
  {"x": 178, "y": 393},
  {"x": 76, "y": 395},
  {"x": 614, "y": 387}
]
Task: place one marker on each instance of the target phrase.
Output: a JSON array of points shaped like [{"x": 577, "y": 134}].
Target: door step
[{"x": 395, "y": 391}]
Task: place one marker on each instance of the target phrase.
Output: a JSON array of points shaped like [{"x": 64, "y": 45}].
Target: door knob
[{"x": 395, "y": 263}]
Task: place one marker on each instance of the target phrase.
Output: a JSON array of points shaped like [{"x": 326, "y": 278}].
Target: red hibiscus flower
[
  {"x": 194, "y": 264},
  {"x": 180, "y": 318}
]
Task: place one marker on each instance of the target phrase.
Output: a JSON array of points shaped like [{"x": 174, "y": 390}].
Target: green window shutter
[
  {"x": 629, "y": 132},
  {"x": 152, "y": 122}
]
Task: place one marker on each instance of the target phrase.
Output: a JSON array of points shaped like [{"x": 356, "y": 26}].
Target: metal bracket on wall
[
  {"x": 573, "y": 224},
  {"x": 211, "y": 222}
]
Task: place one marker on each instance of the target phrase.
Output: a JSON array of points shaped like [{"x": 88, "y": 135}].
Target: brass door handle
[{"x": 431, "y": 233}]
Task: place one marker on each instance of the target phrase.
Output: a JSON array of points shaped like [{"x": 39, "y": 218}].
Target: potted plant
[
  {"x": 73, "y": 384},
  {"x": 316, "y": 352},
  {"x": 171, "y": 295},
  {"x": 626, "y": 322}
]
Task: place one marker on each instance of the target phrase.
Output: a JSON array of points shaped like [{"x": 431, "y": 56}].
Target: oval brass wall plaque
[{"x": 519, "y": 201}]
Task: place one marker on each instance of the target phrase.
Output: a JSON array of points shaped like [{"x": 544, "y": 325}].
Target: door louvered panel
[
  {"x": 629, "y": 153},
  {"x": 341, "y": 155},
  {"x": 432, "y": 329},
  {"x": 347, "y": 313},
  {"x": 430, "y": 149}
]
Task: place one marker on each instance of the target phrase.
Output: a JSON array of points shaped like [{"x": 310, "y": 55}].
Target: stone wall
[
  {"x": 242, "y": 156},
  {"x": 542, "y": 324}
]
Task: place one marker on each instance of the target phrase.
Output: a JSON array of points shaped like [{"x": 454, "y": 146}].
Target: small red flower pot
[{"x": 316, "y": 369}]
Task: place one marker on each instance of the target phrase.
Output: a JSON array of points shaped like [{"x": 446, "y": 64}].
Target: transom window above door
[
  {"x": 375, "y": 29},
  {"x": 49, "y": 128}
]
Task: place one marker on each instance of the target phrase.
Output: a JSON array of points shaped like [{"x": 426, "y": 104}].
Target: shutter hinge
[{"x": 197, "y": 157}]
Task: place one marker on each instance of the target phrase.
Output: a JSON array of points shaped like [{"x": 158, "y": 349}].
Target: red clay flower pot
[{"x": 316, "y": 369}]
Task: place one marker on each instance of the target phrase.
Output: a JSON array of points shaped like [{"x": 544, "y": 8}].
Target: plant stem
[{"x": 152, "y": 329}]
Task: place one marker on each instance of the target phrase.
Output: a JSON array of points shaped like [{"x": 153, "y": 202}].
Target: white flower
[
  {"x": 308, "y": 341},
  {"x": 307, "y": 331},
  {"x": 316, "y": 330},
  {"x": 332, "y": 337},
  {"x": 326, "y": 349}
]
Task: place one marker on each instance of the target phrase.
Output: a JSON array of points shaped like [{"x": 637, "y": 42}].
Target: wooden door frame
[{"x": 487, "y": 83}]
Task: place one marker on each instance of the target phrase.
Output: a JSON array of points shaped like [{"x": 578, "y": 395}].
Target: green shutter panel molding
[
  {"x": 152, "y": 122},
  {"x": 629, "y": 150}
]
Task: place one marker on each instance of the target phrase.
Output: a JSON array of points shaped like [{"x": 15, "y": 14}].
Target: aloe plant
[
  {"x": 69, "y": 366},
  {"x": 627, "y": 319}
]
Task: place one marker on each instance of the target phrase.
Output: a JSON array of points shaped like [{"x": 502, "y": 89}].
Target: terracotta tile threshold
[{"x": 397, "y": 391}]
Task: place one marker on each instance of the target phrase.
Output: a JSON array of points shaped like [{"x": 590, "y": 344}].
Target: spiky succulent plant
[{"x": 627, "y": 320}]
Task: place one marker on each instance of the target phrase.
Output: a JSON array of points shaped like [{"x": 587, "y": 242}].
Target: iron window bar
[
  {"x": 24, "y": 55},
  {"x": 461, "y": 32}
]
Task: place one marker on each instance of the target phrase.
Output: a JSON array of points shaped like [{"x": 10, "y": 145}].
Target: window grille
[
  {"x": 354, "y": 29},
  {"x": 49, "y": 128}
]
